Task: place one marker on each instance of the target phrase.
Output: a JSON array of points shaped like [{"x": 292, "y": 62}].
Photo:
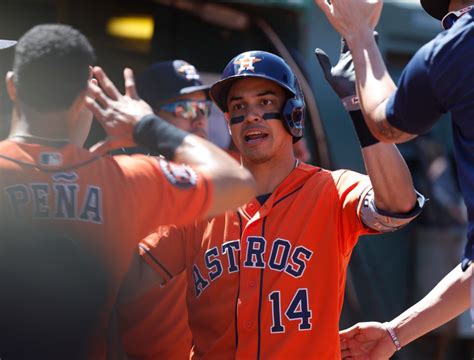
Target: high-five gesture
[
  {"x": 117, "y": 113},
  {"x": 352, "y": 17}
]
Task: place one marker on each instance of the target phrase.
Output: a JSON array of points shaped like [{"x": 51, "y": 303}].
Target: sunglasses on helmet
[
  {"x": 451, "y": 17},
  {"x": 188, "y": 109}
]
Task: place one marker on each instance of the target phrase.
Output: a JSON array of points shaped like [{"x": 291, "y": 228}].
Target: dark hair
[{"x": 51, "y": 66}]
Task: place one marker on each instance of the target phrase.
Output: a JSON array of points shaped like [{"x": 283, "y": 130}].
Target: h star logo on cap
[
  {"x": 246, "y": 63},
  {"x": 189, "y": 71}
]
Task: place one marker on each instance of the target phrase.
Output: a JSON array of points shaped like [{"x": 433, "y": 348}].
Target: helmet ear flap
[{"x": 293, "y": 115}]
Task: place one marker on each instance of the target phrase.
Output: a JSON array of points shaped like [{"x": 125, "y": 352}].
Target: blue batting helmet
[{"x": 262, "y": 64}]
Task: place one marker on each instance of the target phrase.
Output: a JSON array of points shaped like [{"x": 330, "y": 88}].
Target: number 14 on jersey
[{"x": 297, "y": 310}]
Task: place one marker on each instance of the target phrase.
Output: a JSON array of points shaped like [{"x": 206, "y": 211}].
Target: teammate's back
[{"x": 107, "y": 204}]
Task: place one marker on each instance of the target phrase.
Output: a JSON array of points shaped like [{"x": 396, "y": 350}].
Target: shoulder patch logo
[
  {"x": 181, "y": 176},
  {"x": 246, "y": 63}
]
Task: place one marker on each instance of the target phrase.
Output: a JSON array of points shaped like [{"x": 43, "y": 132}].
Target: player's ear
[
  {"x": 11, "y": 87},
  {"x": 79, "y": 102},
  {"x": 227, "y": 121}
]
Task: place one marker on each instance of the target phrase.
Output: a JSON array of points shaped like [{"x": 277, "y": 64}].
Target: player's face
[
  {"x": 258, "y": 140},
  {"x": 188, "y": 112}
]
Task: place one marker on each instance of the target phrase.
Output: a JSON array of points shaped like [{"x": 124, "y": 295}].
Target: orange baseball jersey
[
  {"x": 267, "y": 281},
  {"x": 108, "y": 203},
  {"x": 155, "y": 326}
]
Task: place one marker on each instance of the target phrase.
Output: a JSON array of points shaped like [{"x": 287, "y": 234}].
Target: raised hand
[
  {"x": 351, "y": 17},
  {"x": 341, "y": 76},
  {"x": 117, "y": 113},
  {"x": 366, "y": 341}
]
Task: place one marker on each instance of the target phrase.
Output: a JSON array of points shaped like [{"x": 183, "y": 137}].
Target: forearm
[
  {"x": 233, "y": 185},
  {"x": 374, "y": 87},
  {"x": 447, "y": 300},
  {"x": 390, "y": 178}
]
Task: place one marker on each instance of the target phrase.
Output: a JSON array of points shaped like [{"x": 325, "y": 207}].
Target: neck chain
[{"x": 39, "y": 138}]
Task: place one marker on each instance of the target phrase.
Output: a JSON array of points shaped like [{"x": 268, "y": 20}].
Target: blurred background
[{"x": 387, "y": 273}]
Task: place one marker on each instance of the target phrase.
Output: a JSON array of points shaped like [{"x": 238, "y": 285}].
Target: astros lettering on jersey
[{"x": 267, "y": 281}]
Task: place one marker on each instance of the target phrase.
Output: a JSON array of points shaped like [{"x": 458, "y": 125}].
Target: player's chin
[{"x": 256, "y": 156}]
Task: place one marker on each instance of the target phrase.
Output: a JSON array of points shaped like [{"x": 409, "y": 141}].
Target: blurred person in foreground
[
  {"x": 53, "y": 292},
  {"x": 106, "y": 204}
]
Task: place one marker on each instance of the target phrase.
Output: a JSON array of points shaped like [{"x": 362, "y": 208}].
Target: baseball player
[
  {"x": 155, "y": 325},
  {"x": 438, "y": 79},
  {"x": 106, "y": 203},
  {"x": 267, "y": 281}
]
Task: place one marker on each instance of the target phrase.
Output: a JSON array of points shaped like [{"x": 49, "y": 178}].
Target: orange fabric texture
[
  {"x": 155, "y": 326},
  {"x": 267, "y": 282},
  {"x": 107, "y": 203}
]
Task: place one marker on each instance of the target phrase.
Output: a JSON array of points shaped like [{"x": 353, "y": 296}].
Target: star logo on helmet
[
  {"x": 189, "y": 72},
  {"x": 246, "y": 63}
]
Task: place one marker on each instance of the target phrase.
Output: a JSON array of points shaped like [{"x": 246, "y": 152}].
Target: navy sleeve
[{"x": 414, "y": 107}]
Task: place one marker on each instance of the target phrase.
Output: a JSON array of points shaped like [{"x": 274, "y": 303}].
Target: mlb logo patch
[{"x": 51, "y": 159}]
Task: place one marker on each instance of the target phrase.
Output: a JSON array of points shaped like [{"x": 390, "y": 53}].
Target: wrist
[
  {"x": 360, "y": 38},
  {"x": 351, "y": 103},
  {"x": 393, "y": 336},
  {"x": 156, "y": 134},
  {"x": 362, "y": 130}
]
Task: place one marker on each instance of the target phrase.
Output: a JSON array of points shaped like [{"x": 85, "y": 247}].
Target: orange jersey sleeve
[
  {"x": 351, "y": 188},
  {"x": 165, "y": 250},
  {"x": 164, "y": 192}
]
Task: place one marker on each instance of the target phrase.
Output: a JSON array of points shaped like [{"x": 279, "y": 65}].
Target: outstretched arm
[
  {"x": 128, "y": 119},
  {"x": 355, "y": 20},
  {"x": 389, "y": 174},
  {"x": 448, "y": 299}
]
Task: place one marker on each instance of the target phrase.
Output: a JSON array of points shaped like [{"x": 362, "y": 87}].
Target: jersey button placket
[{"x": 252, "y": 208}]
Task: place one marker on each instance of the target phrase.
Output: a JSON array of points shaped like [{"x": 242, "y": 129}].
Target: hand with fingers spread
[
  {"x": 352, "y": 17},
  {"x": 117, "y": 113},
  {"x": 366, "y": 341}
]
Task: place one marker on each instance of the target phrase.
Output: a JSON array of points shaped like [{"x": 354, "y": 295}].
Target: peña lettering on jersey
[{"x": 57, "y": 200}]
